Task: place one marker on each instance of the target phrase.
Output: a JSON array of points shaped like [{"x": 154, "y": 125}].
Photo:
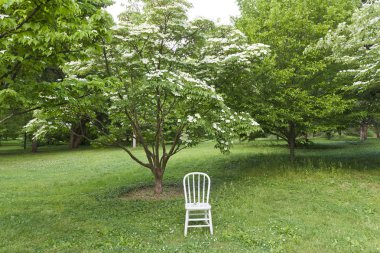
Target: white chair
[{"x": 196, "y": 187}]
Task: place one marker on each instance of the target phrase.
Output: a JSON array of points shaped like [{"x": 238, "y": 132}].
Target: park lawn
[{"x": 68, "y": 201}]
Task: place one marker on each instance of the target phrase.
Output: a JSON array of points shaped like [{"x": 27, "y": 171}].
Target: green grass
[{"x": 68, "y": 201}]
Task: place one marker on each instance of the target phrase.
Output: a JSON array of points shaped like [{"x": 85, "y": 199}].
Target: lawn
[{"x": 69, "y": 201}]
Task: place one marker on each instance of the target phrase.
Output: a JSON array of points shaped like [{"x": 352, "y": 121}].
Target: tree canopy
[
  {"x": 36, "y": 37},
  {"x": 355, "y": 45},
  {"x": 295, "y": 90}
]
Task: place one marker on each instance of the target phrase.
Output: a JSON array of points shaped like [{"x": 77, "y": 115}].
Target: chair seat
[{"x": 197, "y": 206}]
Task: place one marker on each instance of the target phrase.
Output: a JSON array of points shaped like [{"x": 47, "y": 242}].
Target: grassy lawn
[{"x": 68, "y": 201}]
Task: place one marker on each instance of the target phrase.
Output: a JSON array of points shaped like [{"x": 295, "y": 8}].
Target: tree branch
[
  {"x": 176, "y": 140},
  {"x": 115, "y": 143},
  {"x": 146, "y": 165},
  {"x": 137, "y": 129},
  {"x": 30, "y": 16},
  {"x": 108, "y": 70}
]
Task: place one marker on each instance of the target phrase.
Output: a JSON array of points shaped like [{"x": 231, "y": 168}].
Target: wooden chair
[{"x": 196, "y": 187}]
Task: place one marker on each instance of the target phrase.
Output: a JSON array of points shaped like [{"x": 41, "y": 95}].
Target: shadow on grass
[
  {"x": 342, "y": 156},
  {"x": 330, "y": 157},
  {"x": 50, "y": 149}
]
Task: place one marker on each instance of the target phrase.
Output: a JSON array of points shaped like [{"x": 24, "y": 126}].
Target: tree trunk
[
  {"x": 292, "y": 146},
  {"x": 134, "y": 144},
  {"x": 158, "y": 176},
  {"x": 75, "y": 141},
  {"x": 78, "y": 140},
  {"x": 292, "y": 140},
  {"x": 377, "y": 131},
  {"x": 34, "y": 146},
  {"x": 25, "y": 136},
  {"x": 77, "y": 133},
  {"x": 363, "y": 131}
]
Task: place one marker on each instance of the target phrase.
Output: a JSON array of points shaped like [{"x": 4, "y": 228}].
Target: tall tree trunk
[
  {"x": 363, "y": 131},
  {"x": 292, "y": 140}
]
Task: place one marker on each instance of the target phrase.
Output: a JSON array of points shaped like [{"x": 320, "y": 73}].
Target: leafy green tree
[
  {"x": 294, "y": 90},
  {"x": 356, "y": 46},
  {"x": 36, "y": 37}
]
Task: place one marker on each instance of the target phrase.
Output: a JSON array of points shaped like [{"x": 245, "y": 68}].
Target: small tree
[{"x": 148, "y": 80}]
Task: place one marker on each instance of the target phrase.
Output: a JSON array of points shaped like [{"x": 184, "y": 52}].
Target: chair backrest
[{"x": 196, "y": 186}]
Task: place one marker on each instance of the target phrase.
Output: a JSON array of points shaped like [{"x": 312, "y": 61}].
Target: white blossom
[
  {"x": 254, "y": 123},
  {"x": 191, "y": 119}
]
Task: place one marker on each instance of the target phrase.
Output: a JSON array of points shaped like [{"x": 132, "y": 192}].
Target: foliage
[
  {"x": 41, "y": 129},
  {"x": 356, "y": 46},
  {"x": 294, "y": 90},
  {"x": 35, "y": 38},
  {"x": 67, "y": 106},
  {"x": 14, "y": 128}
]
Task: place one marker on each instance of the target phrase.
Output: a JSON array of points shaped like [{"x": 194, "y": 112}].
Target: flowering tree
[
  {"x": 356, "y": 46},
  {"x": 151, "y": 81}
]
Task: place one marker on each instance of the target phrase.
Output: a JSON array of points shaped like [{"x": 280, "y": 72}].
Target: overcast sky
[{"x": 216, "y": 10}]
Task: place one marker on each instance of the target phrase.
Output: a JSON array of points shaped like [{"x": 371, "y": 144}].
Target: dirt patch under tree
[{"x": 147, "y": 193}]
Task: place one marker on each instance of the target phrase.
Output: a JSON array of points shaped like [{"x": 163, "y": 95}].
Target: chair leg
[
  {"x": 206, "y": 218},
  {"x": 210, "y": 222},
  {"x": 186, "y": 221}
]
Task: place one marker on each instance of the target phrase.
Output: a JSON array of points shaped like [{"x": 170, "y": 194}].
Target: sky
[{"x": 216, "y": 10}]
